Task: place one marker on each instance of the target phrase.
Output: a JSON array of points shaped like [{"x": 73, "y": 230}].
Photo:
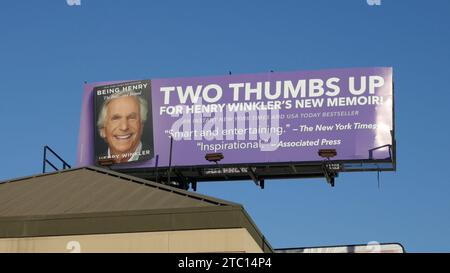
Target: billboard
[{"x": 268, "y": 118}]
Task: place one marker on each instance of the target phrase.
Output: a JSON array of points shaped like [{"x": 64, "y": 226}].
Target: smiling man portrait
[{"x": 120, "y": 123}]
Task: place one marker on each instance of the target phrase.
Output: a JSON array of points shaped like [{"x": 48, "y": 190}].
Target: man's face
[{"x": 123, "y": 128}]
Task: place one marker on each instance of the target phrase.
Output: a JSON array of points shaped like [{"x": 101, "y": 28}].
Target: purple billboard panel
[{"x": 263, "y": 118}]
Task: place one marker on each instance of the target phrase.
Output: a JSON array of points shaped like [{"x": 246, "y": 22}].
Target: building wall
[{"x": 211, "y": 240}]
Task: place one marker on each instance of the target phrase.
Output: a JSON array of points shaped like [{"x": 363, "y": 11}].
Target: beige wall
[{"x": 211, "y": 240}]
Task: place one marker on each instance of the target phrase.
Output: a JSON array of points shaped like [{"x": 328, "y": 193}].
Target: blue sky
[{"x": 48, "y": 49}]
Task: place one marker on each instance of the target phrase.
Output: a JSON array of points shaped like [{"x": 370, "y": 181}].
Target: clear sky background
[{"x": 48, "y": 49}]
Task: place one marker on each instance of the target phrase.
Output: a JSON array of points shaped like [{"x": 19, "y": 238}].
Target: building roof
[{"x": 92, "y": 200}]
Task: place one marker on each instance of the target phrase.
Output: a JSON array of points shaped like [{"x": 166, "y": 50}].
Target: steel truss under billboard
[{"x": 239, "y": 127}]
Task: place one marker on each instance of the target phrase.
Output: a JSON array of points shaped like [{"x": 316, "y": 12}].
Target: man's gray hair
[{"x": 143, "y": 107}]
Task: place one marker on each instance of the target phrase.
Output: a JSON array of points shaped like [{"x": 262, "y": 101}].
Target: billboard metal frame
[{"x": 259, "y": 172}]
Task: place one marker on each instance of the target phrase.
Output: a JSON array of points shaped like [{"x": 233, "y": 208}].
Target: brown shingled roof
[{"x": 93, "y": 200}]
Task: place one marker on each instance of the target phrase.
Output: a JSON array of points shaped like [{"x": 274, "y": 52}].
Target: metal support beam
[
  {"x": 254, "y": 177},
  {"x": 170, "y": 160},
  {"x": 329, "y": 175},
  {"x": 45, "y": 161},
  {"x": 194, "y": 185},
  {"x": 293, "y": 168},
  {"x": 156, "y": 169}
]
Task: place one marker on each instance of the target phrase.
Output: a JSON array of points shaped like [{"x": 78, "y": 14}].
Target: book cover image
[{"x": 123, "y": 122}]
